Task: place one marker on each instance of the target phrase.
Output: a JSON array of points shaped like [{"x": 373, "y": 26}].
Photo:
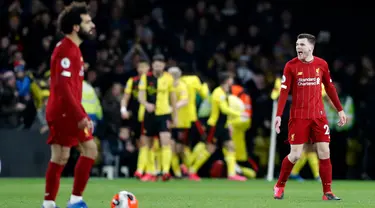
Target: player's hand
[
  {"x": 150, "y": 107},
  {"x": 84, "y": 123},
  {"x": 343, "y": 118},
  {"x": 91, "y": 126},
  {"x": 125, "y": 115},
  {"x": 277, "y": 124}
]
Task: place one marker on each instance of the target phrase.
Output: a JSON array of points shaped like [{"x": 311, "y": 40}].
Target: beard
[{"x": 83, "y": 35}]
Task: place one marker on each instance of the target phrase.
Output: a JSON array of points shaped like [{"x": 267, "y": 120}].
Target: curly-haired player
[{"x": 67, "y": 120}]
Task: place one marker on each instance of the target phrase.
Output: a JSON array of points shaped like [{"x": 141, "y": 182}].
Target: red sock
[
  {"x": 53, "y": 175},
  {"x": 325, "y": 171},
  {"x": 82, "y": 174},
  {"x": 286, "y": 168}
]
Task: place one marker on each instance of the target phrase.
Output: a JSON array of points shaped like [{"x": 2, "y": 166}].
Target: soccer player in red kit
[
  {"x": 67, "y": 120},
  {"x": 303, "y": 76}
]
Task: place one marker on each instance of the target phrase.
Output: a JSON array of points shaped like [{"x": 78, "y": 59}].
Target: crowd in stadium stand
[{"x": 205, "y": 37}]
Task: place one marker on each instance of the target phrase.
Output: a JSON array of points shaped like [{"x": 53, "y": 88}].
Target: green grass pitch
[{"x": 17, "y": 193}]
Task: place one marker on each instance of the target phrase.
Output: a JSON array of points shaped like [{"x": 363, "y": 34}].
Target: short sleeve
[
  {"x": 129, "y": 86},
  {"x": 218, "y": 96},
  {"x": 65, "y": 60}
]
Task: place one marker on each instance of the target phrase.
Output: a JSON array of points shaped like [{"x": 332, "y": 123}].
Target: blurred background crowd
[{"x": 252, "y": 39}]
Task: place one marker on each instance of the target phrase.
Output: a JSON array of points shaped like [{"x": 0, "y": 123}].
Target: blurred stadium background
[{"x": 252, "y": 39}]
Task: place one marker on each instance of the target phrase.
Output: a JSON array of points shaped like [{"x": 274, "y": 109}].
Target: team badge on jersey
[{"x": 65, "y": 63}]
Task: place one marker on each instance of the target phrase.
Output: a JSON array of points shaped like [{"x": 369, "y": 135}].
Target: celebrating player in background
[
  {"x": 196, "y": 158},
  {"x": 218, "y": 131},
  {"x": 67, "y": 120},
  {"x": 180, "y": 131},
  {"x": 303, "y": 76},
  {"x": 133, "y": 115},
  {"x": 156, "y": 93}
]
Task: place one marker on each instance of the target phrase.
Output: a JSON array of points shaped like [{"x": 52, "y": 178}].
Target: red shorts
[
  {"x": 67, "y": 134},
  {"x": 303, "y": 130}
]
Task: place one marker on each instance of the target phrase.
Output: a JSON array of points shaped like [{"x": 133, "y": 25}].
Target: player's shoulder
[
  {"x": 167, "y": 76},
  {"x": 144, "y": 76},
  {"x": 293, "y": 62},
  {"x": 182, "y": 85},
  {"x": 218, "y": 94},
  {"x": 217, "y": 91},
  {"x": 65, "y": 47},
  {"x": 320, "y": 61}
]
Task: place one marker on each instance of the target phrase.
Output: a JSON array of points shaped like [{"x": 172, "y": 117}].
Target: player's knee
[
  {"x": 61, "y": 158},
  {"x": 64, "y": 159},
  {"x": 323, "y": 151},
  {"x": 165, "y": 138},
  {"x": 211, "y": 148},
  {"x": 295, "y": 152},
  {"x": 89, "y": 149},
  {"x": 230, "y": 146},
  {"x": 59, "y": 154},
  {"x": 179, "y": 148},
  {"x": 294, "y": 156}
]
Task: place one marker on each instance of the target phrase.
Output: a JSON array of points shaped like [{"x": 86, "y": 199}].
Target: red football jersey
[
  {"x": 304, "y": 80},
  {"x": 67, "y": 71}
]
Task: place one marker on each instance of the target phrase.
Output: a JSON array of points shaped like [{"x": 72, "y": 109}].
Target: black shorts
[
  {"x": 136, "y": 129},
  {"x": 197, "y": 132},
  {"x": 180, "y": 135},
  {"x": 153, "y": 124},
  {"x": 217, "y": 135}
]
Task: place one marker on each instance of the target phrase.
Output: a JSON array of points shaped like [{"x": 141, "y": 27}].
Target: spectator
[{"x": 11, "y": 108}]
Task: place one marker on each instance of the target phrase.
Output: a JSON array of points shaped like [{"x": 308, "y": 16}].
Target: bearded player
[
  {"x": 67, "y": 120},
  {"x": 303, "y": 76}
]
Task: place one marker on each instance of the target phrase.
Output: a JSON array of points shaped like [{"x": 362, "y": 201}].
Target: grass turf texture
[{"x": 185, "y": 194}]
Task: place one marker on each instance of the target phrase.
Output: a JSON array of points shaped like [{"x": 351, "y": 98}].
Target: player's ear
[
  {"x": 311, "y": 47},
  {"x": 76, "y": 28}
]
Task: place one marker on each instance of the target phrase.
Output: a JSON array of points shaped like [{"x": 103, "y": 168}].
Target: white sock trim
[
  {"x": 49, "y": 204},
  {"x": 75, "y": 199}
]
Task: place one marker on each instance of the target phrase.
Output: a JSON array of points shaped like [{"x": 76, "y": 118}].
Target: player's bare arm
[
  {"x": 143, "y": 101},
  {"x": 124, "y": 103},
  {"x": 142, "y": 98},
  {"x": 125, "y": 99},
  {"x": 174, "y": 107},
  {"x": 182, "y": 103}
]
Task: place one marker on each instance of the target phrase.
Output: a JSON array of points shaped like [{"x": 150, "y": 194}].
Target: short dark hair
[
  {"x": 71, "y": 16},
  {"x": 309, "y": 37},
  {"x": 143, "y": 61},
  {"x": 158, "y": 57},
  {"x": 224, "y": 76}
]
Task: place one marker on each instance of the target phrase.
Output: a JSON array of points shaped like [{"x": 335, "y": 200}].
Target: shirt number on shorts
[{"x": 326, "y": 127}]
